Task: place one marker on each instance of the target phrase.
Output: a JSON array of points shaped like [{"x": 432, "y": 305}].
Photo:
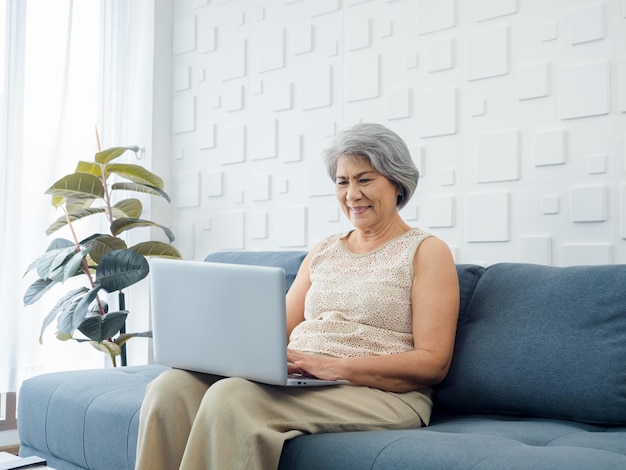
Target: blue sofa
[{"x": 538, "y": 381}]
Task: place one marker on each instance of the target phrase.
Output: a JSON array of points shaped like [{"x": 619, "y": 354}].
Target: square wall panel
[
  {"x": 184, "y": 33},
  {"x": 488, "y": 9},
  {"x": 585, "y": 254},
  {"x": 621, "y": 84},
  {"x": 205, "y": 137},
  {"x": 213, "y": 184},
  {"x": 533, "y": 81},
  {"x": 440, "y": 55},
  {"x": 291, "y": 229},
  {"x": 589, "y": 204},
  {"x": 440, "y": 211},
  {"x": 232, "y": 57},
  {"x": 437, "y": 112},
  {"x": 399, "y": 103},
  {"x": 303, "y": 39},
  {"x": 496, "y": 156},
  {"x": 229, "y": 230},
  {"x": 234, "y": 150},
  {"x": 260, "y": 187},
  {"x": 188, "y": 188},
  {"x": 270, "y": 50},
  {"x": 535, "y": 250},
  {"x": 487, "y": 53},
  {"x": 183, "y": 114},
  {"x": 584, "y": 90},
  {"x": 362, "y": 77},
  {"x": 435, "y": 15},
  {"x": 291, "y": 150},
  {"x": 487, "y": 217},
  {"x": 358, "y": 34},
  {"x": 550, "y": 147},
  {"x": 263, "y": 135},
  {"x": 586, "y": 24},
  {"x": 283, "y": 96},
  {"x": 257, "y": 225},
  {"x": 316, "y": 87}
]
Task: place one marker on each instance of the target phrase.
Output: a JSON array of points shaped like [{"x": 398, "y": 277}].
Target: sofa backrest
[
  {"x": 288, "y": 260},
  {"x": 542, "y": 341}
]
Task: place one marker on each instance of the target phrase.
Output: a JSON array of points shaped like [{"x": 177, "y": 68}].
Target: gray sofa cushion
[
  {"x": 288, "y": 260},
  {"x": 523, "y": 326}
]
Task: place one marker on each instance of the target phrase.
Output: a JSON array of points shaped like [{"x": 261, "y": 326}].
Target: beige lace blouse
[{"x": 359, "y": 304}]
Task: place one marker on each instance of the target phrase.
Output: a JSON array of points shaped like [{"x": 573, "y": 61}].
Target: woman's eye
[
  {"x": 364, "y": 180},
  {"x": 341, "y": 183}
]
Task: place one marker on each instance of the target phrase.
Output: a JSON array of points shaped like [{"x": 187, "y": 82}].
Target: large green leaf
[
  {"x": 37, "y": 289},
  {"x": 136, "y": 174},
  {"x": 74, "y": 216},
  {"x": 130, "y": 208},
  {"x": 104, "y": 244},
  {"x": 89, "y": 167},
  {"x": 76, "y": 186},
  {"x": 120, "y": 269},
  {"x": 75, "y": 205},
  {"x": 51, "y": 260},
  {"x": 64, "y": 307},
  {"x": 156, "y": 249},
  {"x": 100, "y": 327},
  {"x": 112, "y": 153},
  {"x": 120, "y": 225},
  {"x": 140, "y": 188},
  {"x": 82, "y": 308}
]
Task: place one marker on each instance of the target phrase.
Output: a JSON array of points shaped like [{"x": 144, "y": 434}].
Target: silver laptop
[{"x": 222, "y": 319}]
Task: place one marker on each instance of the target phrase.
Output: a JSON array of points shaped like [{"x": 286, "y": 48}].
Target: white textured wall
[{"x": 515, "y": 112}]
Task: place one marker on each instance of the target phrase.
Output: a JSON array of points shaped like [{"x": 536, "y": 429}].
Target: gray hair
[{"x": 386, "y": 151}]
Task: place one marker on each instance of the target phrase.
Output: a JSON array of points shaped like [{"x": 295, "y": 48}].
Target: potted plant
[{"x": 104, "y": 260}]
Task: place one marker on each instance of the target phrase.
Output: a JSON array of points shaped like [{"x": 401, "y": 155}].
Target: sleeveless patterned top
[{"x": 359, "y": 304}]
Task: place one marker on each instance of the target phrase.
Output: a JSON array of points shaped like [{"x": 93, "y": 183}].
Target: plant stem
[{"x": 84, "y": 261}]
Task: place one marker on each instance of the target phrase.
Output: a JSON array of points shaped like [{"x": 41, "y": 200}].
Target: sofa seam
[{"x": 85, "y": 420}]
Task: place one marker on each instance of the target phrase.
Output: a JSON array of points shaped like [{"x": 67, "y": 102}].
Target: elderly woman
[{"x": 376, "y": 306}]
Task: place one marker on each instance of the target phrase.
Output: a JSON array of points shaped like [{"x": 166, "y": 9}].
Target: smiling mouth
[{"x": 359, "y": 210}]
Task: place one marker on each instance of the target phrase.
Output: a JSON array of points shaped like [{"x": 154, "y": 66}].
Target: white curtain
[{"x": 65, "y": 74}]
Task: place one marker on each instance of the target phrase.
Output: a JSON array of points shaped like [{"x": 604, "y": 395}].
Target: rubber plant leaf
[
  {"x": 76, "y": 186},
  {"x": 112, "y": 349},
  {"x": 131, "y": 208},
  {"x": 42, "y": 262},
  {"x": 89, "y": 168},
  {"x": 140, "y": 188},
  {"x": 104, "y": 244},
  {"x": 37, "y": 289},
  {"x": 120, "y": 225},
  {"x": 136, "y": 174},
  {"x": 100, "y": 327},
  {"x": 74, "y": 265},
  {"x": 82, "y": 308},
  {"x": 156, "y": 249},
  {"x": 57, "y": 266},
  {"x": 120, "y": 269},
  {"x": 74, "y": 216},
  {"x": 64, "y": 304},
  {"x": 74, "y": 205},
  {"x": 112, "y": 153},
  {"x": 51, "y": 260}
]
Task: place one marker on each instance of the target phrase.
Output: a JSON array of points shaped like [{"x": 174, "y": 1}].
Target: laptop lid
[{"x": 218, "y": 318}]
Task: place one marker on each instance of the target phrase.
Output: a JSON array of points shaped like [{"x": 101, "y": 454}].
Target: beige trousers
[{"x": 196, "y": 421}]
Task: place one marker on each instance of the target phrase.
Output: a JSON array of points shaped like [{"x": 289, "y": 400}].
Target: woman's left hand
[{"x": 312, "y": 365}]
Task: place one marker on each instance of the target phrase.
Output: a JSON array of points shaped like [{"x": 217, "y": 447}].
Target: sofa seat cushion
[
  {"x": 478, "y": 442},
  {"x": 542, "y": 341},
  {"x": 85, "y": 418}
]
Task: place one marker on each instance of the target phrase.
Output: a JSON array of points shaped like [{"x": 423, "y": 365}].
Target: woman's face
[{"x": 366, "y": 197}]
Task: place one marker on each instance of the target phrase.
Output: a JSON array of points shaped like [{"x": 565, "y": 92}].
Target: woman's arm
[
  {"x": 297, "y": 293},
  {"x": 435, "y": 303}
]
